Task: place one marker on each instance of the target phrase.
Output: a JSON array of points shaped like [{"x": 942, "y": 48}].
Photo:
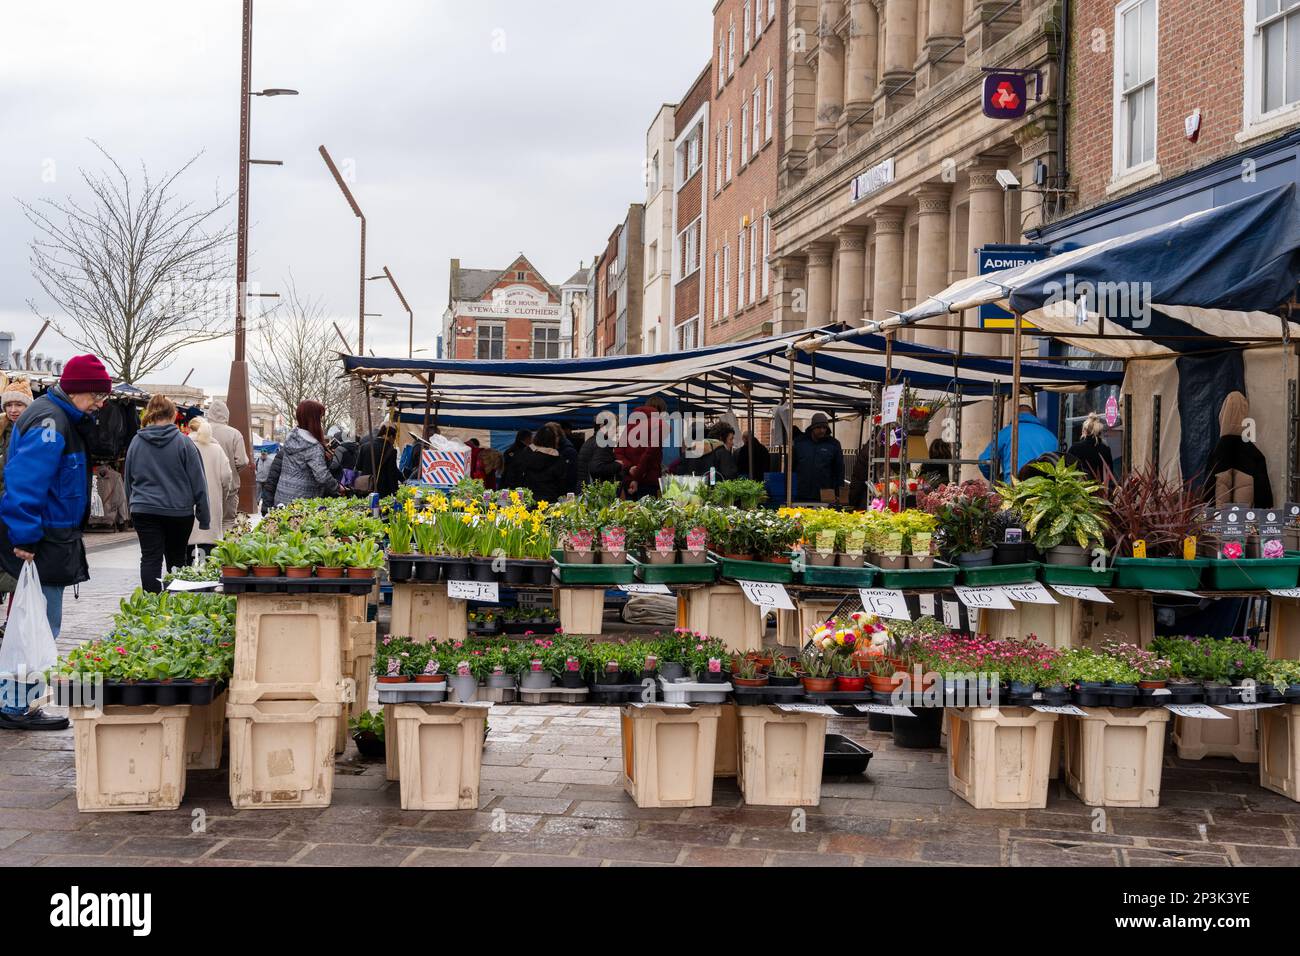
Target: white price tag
[
  {"x": 952, "y": 615},
  {"x": 192, "y": 585},
  {"x": 473, "y": 591},
  {"x": 766, "y": 594},
  {"x": 1082, "y": 592},
  {"x": 820, "y": 709},
  {"x": 885, "y": 602},
  {"x": 890, "y": 399},
  {"x": 1247, "y": 706},
  {"x": 1285, "y": 592},
  {"x": 662, "y": 706},
  {"x": 1031, "y": 593},
  {"x": 1069, "y": 709},
  {"x": 893, "y": 710},
  {"x": 987, "y": 598},
  {"x": 927, "y": 605},
  {"x": 1201, "y": 711},
  {"x": 1191, "y": 594},
  {"x": 645, "y": 588}
]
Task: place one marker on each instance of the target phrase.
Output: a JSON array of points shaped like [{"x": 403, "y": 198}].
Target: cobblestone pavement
[{"x": 552, "y": 795}]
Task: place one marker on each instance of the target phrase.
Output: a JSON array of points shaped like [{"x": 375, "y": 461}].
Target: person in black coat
[
  {"x": 569, "y": 452},
  {"x": 713, "y": 454},
  {"x": 1234, "y": 453},
  {"x": 511, "y": 473},
  {"x": 1090, "y": 454},
  {"x": 596, "y": 461},
  {"x": 544, "y": 470},
  {"x": 753, "y": 460},
  {"x": 377, "y": 458}
]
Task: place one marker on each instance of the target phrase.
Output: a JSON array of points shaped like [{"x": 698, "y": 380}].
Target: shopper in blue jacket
[
  {"x": 46, "y": 501},
  {"x": 1034, "y": 441}
]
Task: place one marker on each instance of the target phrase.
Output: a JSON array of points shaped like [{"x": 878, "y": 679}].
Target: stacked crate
[{"x": 288, "y": 697}]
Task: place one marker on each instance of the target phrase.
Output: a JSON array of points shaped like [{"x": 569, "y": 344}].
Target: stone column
[
  {"x": 943, "y": 33},
  {"x": 820, "y": 257},
  {"x": 931, "y": 254},
  {"x": 900, "y": 57},
  {"x": 864, "y": 38},
  {"x": 830, "y": 76},
  {"x": 791, "y": 293},
  {"x": 986, "y": 225},
  {"x": 982, "y": 30},
  {"x": 851, "y": 291},
  {"x": 887, "y": 271}
]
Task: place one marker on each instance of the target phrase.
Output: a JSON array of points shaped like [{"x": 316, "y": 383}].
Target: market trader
[{"x": 1034, "y": 440}]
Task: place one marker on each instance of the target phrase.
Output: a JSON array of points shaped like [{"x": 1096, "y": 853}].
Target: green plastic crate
[
  {"x": 753, "y": 570},
  {"x": 1000, "y": 574},
  {"x": 1253, "y": 574},
  {"x": 942, "y": 575},
  {"x": 837, "y": 577},
  {"x": 1079, "y": 576},
  {"x": 705, "y": 573},
  {"x": 593, "y": 573},
  {"x": 1170, "y": 574}
]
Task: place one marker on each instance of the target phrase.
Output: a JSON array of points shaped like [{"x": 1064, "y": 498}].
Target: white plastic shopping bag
[
  {"x": 96, "y": 501},
  {"x": 28, "y": 649}
]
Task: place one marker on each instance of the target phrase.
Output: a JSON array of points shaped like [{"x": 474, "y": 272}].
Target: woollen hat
[
  {"x": 16, "y": 391},
  {"x": 85, "y": 373},
  {"x": 819, "y": 419}
]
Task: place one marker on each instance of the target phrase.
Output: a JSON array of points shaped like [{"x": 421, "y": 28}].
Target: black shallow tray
[
  {"x": 841, "y": 697},
  {"x": 760, "y": 696},
  {"x": 143, "y": 693},
  {"x": 619, "y": 693},
  {"x": 297, "y": 585},
  {"x": 843, "y": 757}
]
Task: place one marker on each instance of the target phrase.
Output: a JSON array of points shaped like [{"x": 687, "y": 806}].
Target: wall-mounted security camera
[{"x": 1007, "y": 180}]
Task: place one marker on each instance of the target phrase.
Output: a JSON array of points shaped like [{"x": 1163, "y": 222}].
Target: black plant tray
[
  {"x": 297, "y": 585},
  {"x": 621, "y": 693},
  {"x": 841, "y": 697},
  {"x": 760, "y": 696},
  {"x": 523, "y": 627},
  {"x": 141, "y": 693},
  {"x": 1195, "y": 695},
  {"x": 843, "y": 757}
]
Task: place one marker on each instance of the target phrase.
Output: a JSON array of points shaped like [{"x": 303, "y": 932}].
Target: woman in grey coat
[{"x": 305, "y": 467}]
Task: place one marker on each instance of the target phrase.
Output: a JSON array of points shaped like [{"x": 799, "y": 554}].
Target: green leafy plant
[
  {"x": 266, "y": 554},
  {"x": 737, "y": 492},
  {"x": 1061, "y": 505},
  {"x": 370, "y": 722},
  {"x": 364, "y": 554},
  {"x": 232, "y": 553}
]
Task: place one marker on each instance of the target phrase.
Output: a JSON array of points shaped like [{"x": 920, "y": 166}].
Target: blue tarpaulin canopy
[
  {"x": 1212, "y": 276},
  {"x": 507, "y": 394}
]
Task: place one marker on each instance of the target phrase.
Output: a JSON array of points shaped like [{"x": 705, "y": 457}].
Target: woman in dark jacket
[
  {"x": 304, "y": 468},
  {"x": 165, "y": 490},
  {"x": 544, "y": 470},
  {"x": 714, "y": 453},
  {"x": 1090, "y": 453}
]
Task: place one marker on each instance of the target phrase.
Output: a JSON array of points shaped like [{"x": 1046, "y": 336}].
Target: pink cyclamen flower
[{"x": 121, "y": 650}]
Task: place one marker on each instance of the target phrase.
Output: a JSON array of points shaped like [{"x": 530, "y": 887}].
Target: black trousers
[{"x": 164, "y": 544}]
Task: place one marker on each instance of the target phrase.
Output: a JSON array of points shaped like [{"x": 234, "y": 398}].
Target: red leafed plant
[{"x": 1147, "y": 506}]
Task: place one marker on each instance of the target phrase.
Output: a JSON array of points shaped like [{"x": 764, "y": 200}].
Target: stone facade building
[{"x": 656, "y": 327}]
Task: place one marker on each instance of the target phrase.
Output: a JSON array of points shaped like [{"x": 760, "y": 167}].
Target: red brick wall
[
  {"x": 689, "y": 201},
  {"x": 687, "y": 304},
  {"x": 1200, "y": 62},
  {"x": 752, "y": 188},
  {"x": 518, "y": 345}
]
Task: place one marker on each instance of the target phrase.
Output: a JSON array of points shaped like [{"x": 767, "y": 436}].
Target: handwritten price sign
[
  {"x": 927, "y": 605},
  {"x": 645, "y": 588},
  {"x": 473, "y": 591},
  {"x": 952, "y": 615},
  {"x": 765, "y": 594},
  {"x": 1082, "y": 593},
  {"x": 884, "y": 602},
  {"x": 1032, "y": 593},
  {"x": 985, "y": 598},
  {"x": 1199, "y": 711}
]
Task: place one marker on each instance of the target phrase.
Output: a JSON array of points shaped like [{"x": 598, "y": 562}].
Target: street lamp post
[
  {"x": 410, "y": 329},
  {"x": 347, "y": 194},
  {"x": 237, "y": 390}
]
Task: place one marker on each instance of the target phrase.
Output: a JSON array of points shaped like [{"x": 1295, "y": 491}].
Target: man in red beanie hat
[{"x": 46, "y": 504}]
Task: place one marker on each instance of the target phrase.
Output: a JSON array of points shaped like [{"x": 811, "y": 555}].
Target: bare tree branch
[
  {"x": 292, "y": 358},
  {"x": 137, "y": 273}
]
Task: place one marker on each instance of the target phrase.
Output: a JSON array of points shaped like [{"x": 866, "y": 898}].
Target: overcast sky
[{"x": 474, "y": 130}]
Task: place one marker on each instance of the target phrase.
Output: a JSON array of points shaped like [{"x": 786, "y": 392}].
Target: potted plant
[
  {"x": 1064, "y": 514},
  {"x": 388, "y": 660},
  {"x": 368, "y": 735},
  {"x": 1013, "y": 547},
  {"x": 1146, "y": 506},
  {"x": 783, "y": 673},
  {"x": 266, "y": 558},
  {"x": 849, "y": 675},
  {"x": 297, "y": 560},
  {"x": 536, "y": 676},
  {"x": 818, "y": 674},
  {"x": 964, "y": 516},
  {"x": 328, "y": 555},
  {"x": 463, "y": 684},
  {"x": 692, "y": 540},
  {"x": 823, "y": 531},
  {"x": 775, "y": 536},
  {"x": 748, "y": 674},
  {"x": 232, "y": 553},
  {"x": 363, "y": 559},
  {"x": 918, "y": 528}
]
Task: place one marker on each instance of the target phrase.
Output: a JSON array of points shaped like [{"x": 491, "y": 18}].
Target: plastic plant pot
[
  {"x": 1123, "y": 695},
  {"x": 1090, "y": 694},
  {"x": 975, "y": 559},
  {"x": 369, "y": 745},
  {"x": 850, "y": 560},
  {"x": 483, "y": 570},
  {"x": 428, "y": 571},
  {"x": 572, "y": 680},
  {"x": 671, "y": 670},
  {"x": 1070, "y": 555},
  {"x": 339, "y": 572},
  {"x": 845, "y": 682},
  {"x": 880, "y": 723},
  {"x": 921, "y": 732},
  {"x": 517, "y": 573}
]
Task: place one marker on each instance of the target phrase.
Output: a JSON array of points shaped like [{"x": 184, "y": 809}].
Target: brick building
[
  {"x": 625, "y": 286},
  {"x": 511, "y": 313},
  {"x": 690, "y": 212},
  {"x": 745, "y": 134}
]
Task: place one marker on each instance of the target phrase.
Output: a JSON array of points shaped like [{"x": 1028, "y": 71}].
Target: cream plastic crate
[
  {"x": 1234, "y": 737},
  {"x": 999, "y": 757},
  {"x": 723, "y": 611},
  {"x": 282, "y": 753},
  {"x": 391, "y": 756},
  {"x": 205, "y": 733},
  {"x": 129, "y": 758},
  {"x": 357, "y": 662},
  {"x": 289, "y": 647},
  {"x": 781, "y": 757},
  {"x": 726, "y": 761},
  {"x": 1113, "y": 757},
  {"x": 1056, "y": 625},
  {"x": 793, "y": 627},
  {"x": 424, "y": 611},
  {"x": 582, "y": 610},
  {"x": 1279, "y": 750},
  {"x": 441, "y": 748},
  {"x": 669, "y": 753}
]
